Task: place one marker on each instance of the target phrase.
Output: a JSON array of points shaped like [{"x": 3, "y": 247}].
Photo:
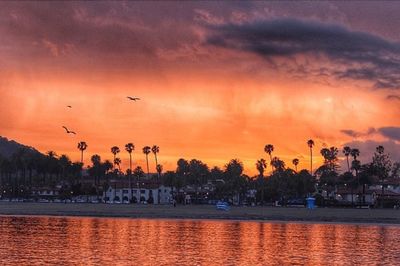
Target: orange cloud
[{"x": 197, "y": 100}]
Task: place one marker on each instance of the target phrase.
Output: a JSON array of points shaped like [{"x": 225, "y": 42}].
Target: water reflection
[{"x": 45, "y": 240}]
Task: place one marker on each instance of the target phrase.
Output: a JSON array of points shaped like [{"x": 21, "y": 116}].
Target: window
[
  {"x": 125, "y": 191},
  {"x": 117, "y": 190},
  {"x": 143, "y": 191},
  {"x": 134, "y": 191}
]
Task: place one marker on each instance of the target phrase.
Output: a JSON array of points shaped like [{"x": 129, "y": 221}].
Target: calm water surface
[{"x": 63, "y": 241}]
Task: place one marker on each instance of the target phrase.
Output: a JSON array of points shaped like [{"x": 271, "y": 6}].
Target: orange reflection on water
[{"x": 44, "y": 240}]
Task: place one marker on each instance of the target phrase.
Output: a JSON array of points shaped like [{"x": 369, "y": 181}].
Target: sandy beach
[{"x": 379, "y": 216}]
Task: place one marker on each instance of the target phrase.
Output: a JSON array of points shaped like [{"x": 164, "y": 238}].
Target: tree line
[{"x": 26, "y": 169}]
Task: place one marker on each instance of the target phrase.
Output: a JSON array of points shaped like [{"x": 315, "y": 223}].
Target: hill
[{"x": 9, "y": 147}]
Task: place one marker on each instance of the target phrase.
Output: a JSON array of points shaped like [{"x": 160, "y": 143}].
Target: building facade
[{"x": 150, "y": 193}]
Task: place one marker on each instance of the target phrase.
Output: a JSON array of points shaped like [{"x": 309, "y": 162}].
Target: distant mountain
[{"x": 9, "y": 147}]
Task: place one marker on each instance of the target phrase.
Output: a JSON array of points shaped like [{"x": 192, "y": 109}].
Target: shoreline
[{"x": 205, "y": 212}]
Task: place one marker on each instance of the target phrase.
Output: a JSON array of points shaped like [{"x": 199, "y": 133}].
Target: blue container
[
  {"x": 310, "y": 203},
  {"x": 221, "y": 205}
]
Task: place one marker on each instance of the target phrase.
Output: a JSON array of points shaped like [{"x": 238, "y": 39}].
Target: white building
[
  {"x": 388, "y": 187},
  {"x": 144, "y": 192},
  {"x": 45, "y": 192},
  {"x": 345, "y": 195}
]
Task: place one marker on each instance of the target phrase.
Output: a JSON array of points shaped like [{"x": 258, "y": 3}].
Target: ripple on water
[{"x": 51, "y": 240}]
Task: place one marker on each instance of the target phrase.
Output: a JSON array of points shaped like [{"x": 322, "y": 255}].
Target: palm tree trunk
[
  {"x": 348, "y": 164},
  {"x": 130, "y": 172},
  {"x": 358, "y": 188},
  {"x": 270, "y": 161},
  {"x": 140, "y": 193},
  {"x": 158, "y": 174},
  {"x": 311, "y": 172},
  {"x": 82, "y": 166},
  {"x": 147, "y": 162},
  {"x": 262, "y": 189}
]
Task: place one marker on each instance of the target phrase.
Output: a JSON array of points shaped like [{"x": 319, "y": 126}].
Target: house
[
  {"x": 45, "y": 192},
  {"x": 389, "y": 197},
  {"x": 193, "y": 194},
  {"x": 392, "y": 185},
  {"x": 143, "y": 192},
  {"x": 370, "y": 196},
  {"x": 346, "y": 196}
]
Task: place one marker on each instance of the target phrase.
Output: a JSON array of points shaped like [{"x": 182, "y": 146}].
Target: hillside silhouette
[{"x": 10, "y": 147}]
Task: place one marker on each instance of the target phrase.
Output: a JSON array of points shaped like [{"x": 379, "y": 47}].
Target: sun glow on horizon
[{"x": 208, "y": 89}]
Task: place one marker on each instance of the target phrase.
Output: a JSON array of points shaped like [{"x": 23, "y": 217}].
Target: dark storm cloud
[
  {"x": 368, "y": 147},
  {"x": 137, "y": 33},
  {"x": 392, "y": 133},
  {"x": 362, "y": 56},
  {"x": 351, "y": 133},
  {"x": 356, "y": 134}
]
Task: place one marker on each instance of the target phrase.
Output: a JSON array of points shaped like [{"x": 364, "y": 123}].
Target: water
[{"x": 72, "y": 241}]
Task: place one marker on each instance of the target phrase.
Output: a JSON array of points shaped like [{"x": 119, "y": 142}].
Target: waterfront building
[{"x": 143, "y": 192}]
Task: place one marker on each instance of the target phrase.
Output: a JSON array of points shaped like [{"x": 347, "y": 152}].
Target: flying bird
[
  {"x": 69, "y": 131},
  {"x": 133, "y": 98},
  {"x": 69, "y": 106}
]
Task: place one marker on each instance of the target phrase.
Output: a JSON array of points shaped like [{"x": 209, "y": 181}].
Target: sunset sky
[{"x": 217, "y": 80}]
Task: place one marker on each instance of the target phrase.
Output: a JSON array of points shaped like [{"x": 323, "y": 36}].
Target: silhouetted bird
[
  {"x": 69, "y": 106},
  {"x": 69, "y": 131},
  {"x": 133, "y": 98}
]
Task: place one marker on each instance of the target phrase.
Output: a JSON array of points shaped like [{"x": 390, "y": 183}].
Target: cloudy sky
[{"x": 218, "y": 80}]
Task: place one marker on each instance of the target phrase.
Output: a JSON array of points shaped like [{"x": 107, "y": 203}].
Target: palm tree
[
  {"x": 155, "y": 149},
  {"x": 64, "y": 162},
  {"x": 106, "y": 167},
  {"x": 269, "y": 148},
  {"x": 159, "y": 169},
  {"x": 96, "y": 159},
  {"x": 114, "y": 150},
  {"x": 355, "y": 165},
  {"x": 129, "y": 147},
  {"x": 310, "y": 144},
  {"x": 382, "y": 164},
  {"x": 82, "y": 146},
  {"x": 330, "y": 157},
  {"x": 355, "y": 153},
  {"x": 147, "y": 150},
  {"x": 278, "y": 164},
  {"x": 261, "y": 166},
  {"x": 295, "y": 162},
  {"x": 96, "y": 162},
  {"x": 347, "y": 152},
  {"x": 117, "y": 161}
]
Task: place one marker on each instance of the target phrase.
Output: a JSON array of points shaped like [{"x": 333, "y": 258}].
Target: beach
[{"x": 259, "y": 213}]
